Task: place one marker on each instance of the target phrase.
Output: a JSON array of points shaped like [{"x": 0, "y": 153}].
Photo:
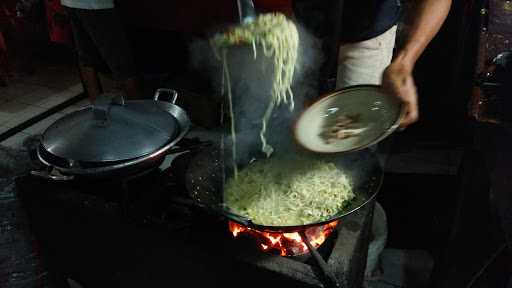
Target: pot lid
[
  {"x": 349, "y": 119},
  {"x": 111, "y": 130}
]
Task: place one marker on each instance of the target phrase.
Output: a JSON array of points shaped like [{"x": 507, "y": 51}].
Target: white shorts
[{"x": 363, "y": 62}]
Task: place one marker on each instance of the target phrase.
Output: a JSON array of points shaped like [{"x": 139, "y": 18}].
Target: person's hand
[{"x": 397, "y": 80}]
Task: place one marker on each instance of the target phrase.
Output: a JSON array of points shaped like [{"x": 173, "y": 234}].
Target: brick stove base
[
  {"x": 345, "y": 254},
  {"x": 86, "y": 238}
]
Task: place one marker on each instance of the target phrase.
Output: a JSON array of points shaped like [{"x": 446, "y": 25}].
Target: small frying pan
[
  {"x": 205, "y": 177},
  {"x": 347, "y": 120}
]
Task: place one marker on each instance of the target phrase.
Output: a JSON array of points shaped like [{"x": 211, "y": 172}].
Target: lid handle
[
  {"x": 103, "y": 104},
  {"x": 51, "y": 174},
  {"x": 172, "y": 92}
]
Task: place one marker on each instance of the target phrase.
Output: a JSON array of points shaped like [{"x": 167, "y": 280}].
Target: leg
[
  {"x": 109, "y": 36},
  {"x": 91, "y": 82},
  {"x": 363, "y": 63},
  {"x": 87, "y": 56},
  {"x": 25, "y": 46}
]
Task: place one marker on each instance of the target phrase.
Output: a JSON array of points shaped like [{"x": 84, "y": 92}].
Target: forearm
[{"x": 426, "y": 22}]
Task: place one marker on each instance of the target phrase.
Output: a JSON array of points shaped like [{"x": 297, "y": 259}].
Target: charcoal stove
[
  {"x": 147, "y": 233},
  {"x": 344, "y": 252}
]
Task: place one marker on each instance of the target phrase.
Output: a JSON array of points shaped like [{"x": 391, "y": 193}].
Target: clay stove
[
  {"x": 342, "y": 245},
  {"x": 193, "y": 246},
  {"x": 286, "y": 244}
]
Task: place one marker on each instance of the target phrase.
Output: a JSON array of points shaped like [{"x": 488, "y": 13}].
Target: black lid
[{"x": 111, "y": 131}]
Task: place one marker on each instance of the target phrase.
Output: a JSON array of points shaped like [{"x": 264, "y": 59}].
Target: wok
[
  {"x": 113, "y": 138},
  {"x": 204, "y": 182}
]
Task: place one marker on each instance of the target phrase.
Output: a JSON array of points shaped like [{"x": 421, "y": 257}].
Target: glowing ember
[{"x": 287, "y": 244}]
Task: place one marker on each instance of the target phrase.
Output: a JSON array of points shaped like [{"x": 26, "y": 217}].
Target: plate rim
[{"x": 322, "y": 98}]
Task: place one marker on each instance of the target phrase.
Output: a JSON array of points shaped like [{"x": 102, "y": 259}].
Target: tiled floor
[
  {"x": 28, "y": 96},
  {"x": 38, "y": 128}
]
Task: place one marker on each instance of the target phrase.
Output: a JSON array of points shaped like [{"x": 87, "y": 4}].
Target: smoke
[{"x": 251, "y": 82}]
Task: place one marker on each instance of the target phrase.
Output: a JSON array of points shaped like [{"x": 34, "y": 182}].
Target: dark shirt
[{"x": 362, "y": 19}]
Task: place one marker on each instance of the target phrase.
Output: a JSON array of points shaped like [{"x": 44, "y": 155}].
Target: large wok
[
  {"x": 113, "y": 137},
  {"x": 205, "y": 177}
]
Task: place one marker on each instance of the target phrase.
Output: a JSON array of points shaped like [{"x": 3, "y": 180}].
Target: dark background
[{"x": 447, "y": 215}]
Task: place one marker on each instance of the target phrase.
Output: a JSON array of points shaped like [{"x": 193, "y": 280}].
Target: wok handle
[
  {"x": 240, "y": 219},
  {"x": 224, "y": 213},
  {"x": 168, "y": 91},
  {"x": 50, "y": 175},
  {"x": 103, "y": 104},
  {"x": 215, "y": 211},
  {"x": 329, "y": 278},
  {"x": 189, "y": 148}
]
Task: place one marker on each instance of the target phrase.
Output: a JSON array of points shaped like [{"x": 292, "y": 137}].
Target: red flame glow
[{"x": 286, "y": 244}]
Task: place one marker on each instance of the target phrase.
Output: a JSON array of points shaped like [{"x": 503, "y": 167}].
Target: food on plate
[{"x": 346, "y": 126}]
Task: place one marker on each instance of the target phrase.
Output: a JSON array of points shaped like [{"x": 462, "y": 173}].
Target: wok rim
[
  {"x": 296, "y": 228},
  {"x": 394, "y": 126},
  {"x": 373, "y": 180},
  {"x": 80, "y": 171}
]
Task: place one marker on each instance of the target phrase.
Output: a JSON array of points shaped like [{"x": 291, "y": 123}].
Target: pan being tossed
[
  {"x": 206, "y": 180},
  {"x": 363, "y": 109}
]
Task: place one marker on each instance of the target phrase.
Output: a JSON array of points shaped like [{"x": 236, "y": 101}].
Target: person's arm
[{"x": 397, "y": 78}]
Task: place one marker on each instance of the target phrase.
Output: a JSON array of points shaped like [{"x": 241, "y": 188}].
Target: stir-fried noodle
[
  {"x": 286, "y": 191},
  {"x": 279, "y": 40}
]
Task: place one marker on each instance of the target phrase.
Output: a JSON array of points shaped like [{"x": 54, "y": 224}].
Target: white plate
[{"x": 379, "y": 115}]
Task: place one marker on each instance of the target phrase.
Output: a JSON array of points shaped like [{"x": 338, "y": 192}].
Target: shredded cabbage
[{"x": 287, "y": 191}]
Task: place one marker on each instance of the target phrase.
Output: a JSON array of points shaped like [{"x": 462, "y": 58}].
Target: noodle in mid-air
[
  {"x": 278, "y": 37},
  {"x": 282, "y": 190}
]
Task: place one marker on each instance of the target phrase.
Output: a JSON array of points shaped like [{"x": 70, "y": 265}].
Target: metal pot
[
  {"x": 113, "y": 137},
  {"x": 205, "y": 174}
]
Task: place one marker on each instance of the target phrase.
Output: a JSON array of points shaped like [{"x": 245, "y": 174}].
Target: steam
[{"x": 251, "y": 82}]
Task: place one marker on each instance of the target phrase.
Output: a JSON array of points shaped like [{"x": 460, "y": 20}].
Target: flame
[
  {"x": 236, "y": 230},
  {"x": 286, "y": 244}
]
